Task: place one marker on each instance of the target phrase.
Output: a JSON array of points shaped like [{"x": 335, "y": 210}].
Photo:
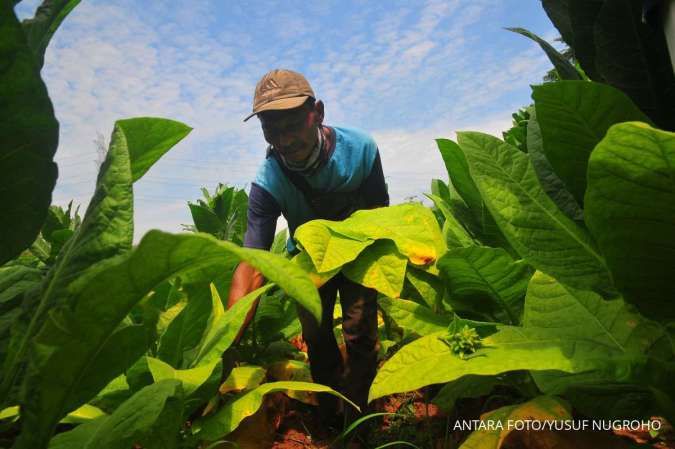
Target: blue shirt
[{"x": 353, "y": 164}]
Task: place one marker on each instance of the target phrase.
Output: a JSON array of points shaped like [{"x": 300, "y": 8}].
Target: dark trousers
[{"x": 359, "y": 328}]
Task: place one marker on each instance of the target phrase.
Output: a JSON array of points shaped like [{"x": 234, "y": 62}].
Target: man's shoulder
[{"x": 348, "y": 134}]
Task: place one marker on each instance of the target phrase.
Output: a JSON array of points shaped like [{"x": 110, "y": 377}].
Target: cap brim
[{"x": 279, "y": 105}]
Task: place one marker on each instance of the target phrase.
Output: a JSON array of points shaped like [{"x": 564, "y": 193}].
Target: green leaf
[
  {"x": 630, "y": 210},
  {"x": 148, "y": 139},
  {"x": 276, "y": 318},
  {"x": 429, "y": 360},
  {"x": 16, "y": 280},
  {"x": 150, "y": 418},
  {"x": 615, "y": 401},
  {"x": 279, "y": 243},
  {"x": 458, "y": 171},
  {"x": 304, "y": 262},
  {"x": 186, "y": 330},
  {"x": 412, "y": 227},
  {"x": 574, "y": 116},
  {"x": 453, "y": 232},
  {"x": 191, "y": 378},
  {"x": 558, "y": 12},
  {"x": 529, "y": 219},
  {"x": 243, "y": 378},
  {"x": 380, "y": 267},
  {"x": 413, "y": 317},
  {"x": 565, "y": 70},
  {"x": 200, "y": 384},
  {"x": 541, "y": 408},
  {"x": 477, "y": 273},
  {"x": 224, "y": 327},
  {"x": 616, "y": 337},
  {"x": 83, "y": 414},
  {"x": 440, "y": 189},
  {"x": 328, "y": 249},
  {"x": 549, "y": 180},
  {"x": 231, "y": 414},
  {"x": 106, "y": 230},
  {"x": 205, "y": 219},
  {"x": 79, "y": 437},
  {"x": 465, "y": 387},
  {"x": 634, "y": 57},
  {"x": 429, "y": 287},
  {"x": 74, "y": 337},
  {"x": 29, "y": 134},
  {"x": 40, "y": 29}
]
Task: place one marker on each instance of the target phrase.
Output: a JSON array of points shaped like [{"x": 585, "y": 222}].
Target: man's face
[{"x": 292, "y": 132}]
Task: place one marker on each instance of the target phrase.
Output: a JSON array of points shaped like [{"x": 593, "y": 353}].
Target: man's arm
[
  {"x": 374, "y": 188},
  {"x": 263, "y": 211}
]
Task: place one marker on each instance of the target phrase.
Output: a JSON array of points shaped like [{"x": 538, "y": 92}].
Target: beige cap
[{"x": 280, "y": 89}]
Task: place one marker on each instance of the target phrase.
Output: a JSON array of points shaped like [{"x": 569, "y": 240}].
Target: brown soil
[{"x": 283, "y": 423}]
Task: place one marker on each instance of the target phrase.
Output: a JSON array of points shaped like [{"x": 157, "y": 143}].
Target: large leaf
[
  {"x": 151, "y": 418},
  {"x": 564, "y": 68},
  {"x": 17, "y": 279},
  {"x": 200, "y": 384},
  {"x": 549, "y": 180},
  {"x": 429, "y": 360},
  {"x": 630, "y": 210},
  {"x": 573, "y": 117},
  {"x": 633, "y": 57},
  {"x": 327, "y": 249},
  {"x": 617, "y": 400},
  {"x": 414, "y": 317},
  {"x": 81, "y": 415},
  {"x": 477, "y": 273},
  {"x": 458, "y": 172},
  {"x": 186, "y": 330},
  {"x": 224, "y": 327},
  {"x": 615, "y": 331},
  {"x": 465, "y": 387},
  {"x": 242, "y": 378},
  {"x": 529, "y": 219},
  {"x": 72, "y": 337},
  {"x": 541, "y": 408},
  {"x": 231, "y": 414},
  {"x": 148, "y": 139},
  {"x": 40, "y": 29},
  {"x": 381, "y": 267},
  {"x": 429, "y": 287},
  {"x": 304, "y": 261},
  {"x": 558, "y": 12},
  {"x": 205, "y": 220},
  {"x": 29, "y": 134},
  {"x": 276, "y": 319},
  {"x": 191, "y": 379},
  {"x": 461, "y": 179},
  {"x": 106, "y": 230},
  {"x": 454, "y": 233},
  {"x": 412, "y": 227}
]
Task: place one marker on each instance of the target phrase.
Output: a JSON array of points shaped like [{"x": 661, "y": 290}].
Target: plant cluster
[{"x": 542, "y": 268}]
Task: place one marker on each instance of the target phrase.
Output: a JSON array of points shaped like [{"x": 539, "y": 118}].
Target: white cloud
[
  {"x": 410, "y": 159},
  {"x": 406, "y": 75}
]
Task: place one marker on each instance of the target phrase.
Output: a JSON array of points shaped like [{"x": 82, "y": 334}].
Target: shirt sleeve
[
  {"x": 263, "y": 211},
  {"x": 374, "y": 188}
]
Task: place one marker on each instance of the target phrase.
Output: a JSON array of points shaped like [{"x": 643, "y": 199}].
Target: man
[{"x": 315, "y": 171}]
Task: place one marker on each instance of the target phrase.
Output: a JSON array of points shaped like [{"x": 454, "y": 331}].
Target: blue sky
[{"x": 405, "y": 71}]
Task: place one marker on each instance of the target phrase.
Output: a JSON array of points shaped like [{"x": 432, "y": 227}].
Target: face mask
[{"x": 312, "y": 160}]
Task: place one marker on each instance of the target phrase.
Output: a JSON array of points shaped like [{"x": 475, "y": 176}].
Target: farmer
[{"x": 315, "y": 171}]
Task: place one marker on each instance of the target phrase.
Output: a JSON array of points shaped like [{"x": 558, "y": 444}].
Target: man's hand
[{"x": 244, "y": 280}]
